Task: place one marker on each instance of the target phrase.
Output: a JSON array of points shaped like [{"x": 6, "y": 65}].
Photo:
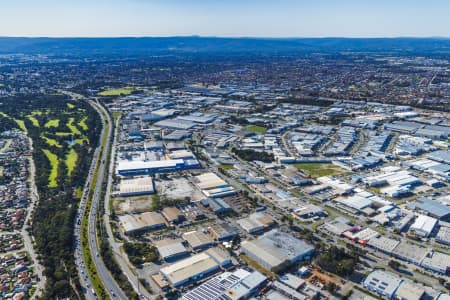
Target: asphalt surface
[{"x": 111, "y": 286}]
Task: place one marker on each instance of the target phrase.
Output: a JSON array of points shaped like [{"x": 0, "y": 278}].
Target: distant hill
[{"x": 179, "y": 45}]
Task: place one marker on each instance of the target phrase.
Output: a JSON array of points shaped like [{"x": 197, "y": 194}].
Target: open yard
[
  {"x": 83, "y": 124},
  {"x": 34, "y": 121},
  {"x": 53, "y": 168},
  {"x": 117, "y": 92},
  {"x": 319, "y": 169}
]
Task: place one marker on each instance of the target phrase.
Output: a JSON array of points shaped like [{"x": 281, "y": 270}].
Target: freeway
[
  {"x": 121, "y": 258},
  {"x": 111, "y": 286}
]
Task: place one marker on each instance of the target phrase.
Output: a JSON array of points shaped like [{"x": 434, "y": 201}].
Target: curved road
[{"x": 111, "y": 286}]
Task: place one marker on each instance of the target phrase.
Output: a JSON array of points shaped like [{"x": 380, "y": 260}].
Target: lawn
[
  {"x": 70, "y": 105},
  {"x": 63, "y": 134},
  {"x": 72, "y": 127},
  {"x": 83, "y": 124},
  {"x": 71, "y": 160},
  {"x": 34, "y": 121},
  {"x": 319, "y": 169},
  {"x": 52, "y": 123},
  {"x": 256, "y": 129},
  {"x": 21, "y": 124},
  {"x": 50, "y": 142},
  {"x": 226, "y": 167},
  {"x": 53, "y": 168},
  {"x": 81, "y": 141},
  {"x": 117, "y": 92}
]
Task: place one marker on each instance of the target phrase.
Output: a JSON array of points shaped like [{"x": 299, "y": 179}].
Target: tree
[{"x": 394, "y": 264}]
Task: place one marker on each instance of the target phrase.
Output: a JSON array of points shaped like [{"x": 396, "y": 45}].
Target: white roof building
[
  {"x": 382, "y": 282},
  {"x": 424, "y": 225}
]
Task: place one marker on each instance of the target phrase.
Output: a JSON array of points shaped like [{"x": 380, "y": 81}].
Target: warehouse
[
  {"x": 213, "y": 186},
  {"x": 410, "y": 252},
  {"x": 173, "y": 215},
  {"x": 432, "y": 208},
  {"x": 440, "y": 156},
  {"x": 443, "y": 236},
  {"x": 136, "y": 187},
  {"x": 276, "y": 250},
  {"x": 198, "y": 240},
  {"x": 195, "y": 268},
  {"x": 383, "y": 244},
  {"x": 175, "y": 124},
  {"x": 139, "y": 167},
  {"x": 170, "y": 249},
  {"x": 237, "y": 285},
  {"x": 256, "y": 223},
  {"x": 382, "y": 282},
  {"x": 423, "y": 226},
  {"x": 437, "y": 262},
  {"x": 222, "y": 231},
  {"x": 136, "y": 223}
]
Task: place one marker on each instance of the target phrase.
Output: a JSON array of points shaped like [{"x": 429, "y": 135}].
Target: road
[
  {"x": 115, "y": 246},
  {"x": 39, "y": 270},
  {"x": 111, "y": 286}
]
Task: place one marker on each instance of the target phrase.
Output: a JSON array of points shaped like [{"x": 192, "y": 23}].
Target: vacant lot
[
  {"x": 319, "y": 169},
  {"x": 71, "y": 160}
]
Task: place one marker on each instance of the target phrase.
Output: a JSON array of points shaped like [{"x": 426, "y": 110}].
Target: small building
[{"x": 409, "y": 291}]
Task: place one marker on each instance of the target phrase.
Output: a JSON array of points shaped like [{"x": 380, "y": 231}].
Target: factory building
[
  {"x": 198, "y": 240},
  {"x": 239, "y": 284},
  {"x": 137, "y": 223},
  {"x": 382, "y": 283},
  {"x": 136, "y": 168},
  {"x": 170, "y": 249},
  {"x": 424, "y": 225},
  {"x": 276, "y": 250},
  {"x": 196, "y": 267},
  {"x": 213, "y": 186},
  {"x": 136, "y": 187}
]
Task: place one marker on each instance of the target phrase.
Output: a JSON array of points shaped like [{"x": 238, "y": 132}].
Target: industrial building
[
  {"x": 136, "y": 187},
  {"x": 443, "y": 235},
  {"x": 256, "y": 223},
  {"x": 432, "y": 208},
  {"x": 382, "y": 283},
  {"x": 136, "y": 168},
  {"x": 196, "y": 267},
  {"x": 437, "y": 262},
  {"x": 137, "y": 223},
  {"x": 424, "y": 225},
  {"x": 276, "y": 250},
  {"x": 173, "y": 215},
  {"x": 222, "y": 231},
  {"x": 213, "y": 186},
  {"x": 198, "y": 240},
  {"x": 170, "y": 249},
  {"x": 239, "y": 284}
]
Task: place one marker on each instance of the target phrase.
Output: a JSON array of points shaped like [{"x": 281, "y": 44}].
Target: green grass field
[
  {"x": 226, "y": 167},
  {"x": 72, "y": 127},
  {"x": 81, "y": 141},
  {"x": 117, "y": 92},
  {"x": 63, "y": 134},
  {"x": 256, "y": 129},
  {"x": 21, "y": 124},
  {"x": 54, "y": 168},
  {"x": 71, "y": 160},
  {"x": 52, "y": 123},
  {"x": 319, "y": 169},
  {"x": 70, "y": 105},
  {"x": 34, "y": 121},
  {"x": 82, "y": 124},
  {"x": 50, "y": 142}
]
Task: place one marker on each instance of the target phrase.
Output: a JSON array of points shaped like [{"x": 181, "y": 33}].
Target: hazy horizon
[{"x": 232, "y": 18}]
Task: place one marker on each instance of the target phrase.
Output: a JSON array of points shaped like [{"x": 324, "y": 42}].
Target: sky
[{"x": 230, "y": 18}]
